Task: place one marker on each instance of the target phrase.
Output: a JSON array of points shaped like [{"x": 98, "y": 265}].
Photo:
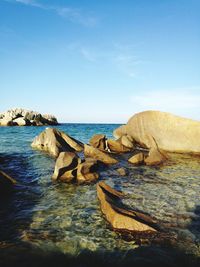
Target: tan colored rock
[
  {"x": 66, "y": 167},
  {"x": 86, "y": 172},
  {"x": 98, "y": 141},
  {"x": 53, "y": 141},
  {"x": 155, "y": 157},
  {"x": 137, "y": 159},
  {"x": 162, "y": 131},
  {"x": 121, "y": 218},
  {"x": 6, "y": 182},
  {"x": 97, "y": 154},
  {"x": 127, "y": 141},
  {"x": 116, "y": 146}
]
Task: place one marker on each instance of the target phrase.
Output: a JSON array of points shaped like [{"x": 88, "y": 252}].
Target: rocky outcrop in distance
[{"x": 23, "y": 117}]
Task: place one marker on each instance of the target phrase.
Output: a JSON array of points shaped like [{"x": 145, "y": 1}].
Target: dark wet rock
[
  {"x": 53, "y": 141},
  {"x": 6, "y": 182},
  {"x": 97, "y": 154},
  {"x": 23, "y": 117},
  {"x": 98, "y": 141},
  {"x": 121, "y": 218}
]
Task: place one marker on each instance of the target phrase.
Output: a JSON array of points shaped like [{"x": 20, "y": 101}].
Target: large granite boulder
[
  {"x": 69, "y": 167},
  {"x": 120, "y": 217},
  {"x": 162, "y": 132},
  {"x": 23, "y": 117},
  {"x": 6, "y": 182},
  {"x": 99, "y": 155},
  {"x": 53, "y": 141},
  {"x": 98, "y": 141}
]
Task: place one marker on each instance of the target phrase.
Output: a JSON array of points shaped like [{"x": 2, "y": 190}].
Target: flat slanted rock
[
  {"x": 121, "y": 218},
  {"x": 53, "y": 141}
]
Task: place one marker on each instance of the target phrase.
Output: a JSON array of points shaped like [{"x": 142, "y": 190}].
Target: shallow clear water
[{"x": 67, "y": 217}]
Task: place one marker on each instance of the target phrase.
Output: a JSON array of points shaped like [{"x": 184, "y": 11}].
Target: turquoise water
[{"x": 67, "y": 217}]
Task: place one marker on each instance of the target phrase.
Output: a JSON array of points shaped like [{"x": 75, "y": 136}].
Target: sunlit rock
[
  {"x": 53, "y": 141},
  {"x": 137, "y": 158},
  {"x": 161, "y": 131},
  {"x": 98, "y": 141},
  {"x": 23, "y": 117},
  {"x": 66, "y": 167},
  {"x": 97, "y": 154}
]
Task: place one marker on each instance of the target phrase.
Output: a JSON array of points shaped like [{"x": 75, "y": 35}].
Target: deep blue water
[{"x": 67, "y": 217}]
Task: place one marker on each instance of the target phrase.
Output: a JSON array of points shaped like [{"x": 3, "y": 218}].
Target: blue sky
[{"x": 102, "y": 60}]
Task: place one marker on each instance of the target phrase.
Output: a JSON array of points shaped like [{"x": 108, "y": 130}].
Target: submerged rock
[
  {"x": 6, "y": 182},
  {"x": 53, "y": 141},
  {"x": 122, "y": 171},
  {"x": 23, "y": 117},
  {"x": 121, "y": 218},
  {"x": 161, "y": 131},
  {"x": 97, "y": 154}
]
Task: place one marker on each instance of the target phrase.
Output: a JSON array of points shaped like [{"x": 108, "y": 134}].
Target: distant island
[{"x": 24, "y": 117}]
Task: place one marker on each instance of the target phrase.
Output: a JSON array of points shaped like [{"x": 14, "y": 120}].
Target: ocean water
[{"x": 66, "y": 218}]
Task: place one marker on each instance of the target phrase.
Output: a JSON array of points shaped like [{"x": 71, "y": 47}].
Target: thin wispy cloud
[
  {"x": 120, "y": 58},
  {"x": 184, "y": 102},
  {"x": 88, "y": 54},
  {"x": 71, "y": 14}
]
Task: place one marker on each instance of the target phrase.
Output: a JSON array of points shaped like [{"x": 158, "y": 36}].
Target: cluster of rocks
[
  {"x": 23, "y": 117},
  {"x": 70, "y": 167},
  {"x": 148, "y": 136}
]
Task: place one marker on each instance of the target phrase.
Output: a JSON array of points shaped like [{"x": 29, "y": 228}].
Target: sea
[{"x": 61, "y": 224}]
